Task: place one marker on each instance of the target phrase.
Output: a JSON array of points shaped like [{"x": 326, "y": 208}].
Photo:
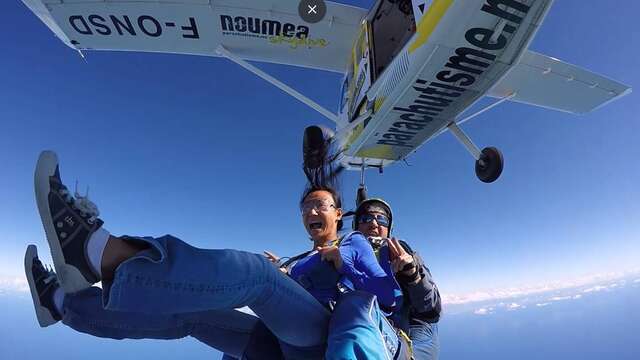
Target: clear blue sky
[{"x": 199, "y": 148}]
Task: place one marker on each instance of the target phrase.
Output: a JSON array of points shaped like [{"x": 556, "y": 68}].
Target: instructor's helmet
[{"x": 373, "y": 204}]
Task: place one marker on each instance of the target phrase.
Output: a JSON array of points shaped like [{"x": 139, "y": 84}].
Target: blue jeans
[
  {"x": 226, "y": 330},
  {"x": 172, "y": 290},
  {"x": 425, "y": 340},
  {"x": 359, "y": 330}
]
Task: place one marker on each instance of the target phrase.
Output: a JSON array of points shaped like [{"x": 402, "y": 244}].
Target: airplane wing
[
  {"x": 547, "y": 82},
  {"x": 260, "y": 30}
]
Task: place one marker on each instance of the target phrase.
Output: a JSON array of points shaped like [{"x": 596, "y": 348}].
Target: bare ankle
[{"x": 117, "y": 251}]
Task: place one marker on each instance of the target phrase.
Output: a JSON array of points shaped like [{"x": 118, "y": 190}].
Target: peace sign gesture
[{"x": 401, "y": 261}]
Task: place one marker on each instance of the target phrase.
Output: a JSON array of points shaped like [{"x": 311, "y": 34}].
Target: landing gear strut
[
  {"x": 361, "y": 195},
  {"x": 489, "y": 161}
]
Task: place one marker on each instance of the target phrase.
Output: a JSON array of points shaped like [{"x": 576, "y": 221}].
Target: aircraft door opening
[
  {"x": 359, "y": 73},
  {"x": 392, "y": 25}
]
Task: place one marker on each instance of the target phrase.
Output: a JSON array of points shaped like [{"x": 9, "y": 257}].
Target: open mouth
[{"x": 315, "y": 225}]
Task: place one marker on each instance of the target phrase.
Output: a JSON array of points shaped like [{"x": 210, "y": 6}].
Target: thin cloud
[
  {"x": 517, "y": 292},
  {"x": 595, "y": 289},
  {"x": 13, "y": 284},
  {"x": 510, "y": 299},
  {"x": 515, "y": 306},
  {"x": 483, "y": 311}
]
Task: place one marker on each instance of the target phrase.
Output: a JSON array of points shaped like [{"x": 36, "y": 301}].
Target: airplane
[{"x": 411, "y": 67}]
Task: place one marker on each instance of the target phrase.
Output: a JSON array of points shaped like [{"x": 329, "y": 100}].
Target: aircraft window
[
  {"x": 393, "y": 25},
  {"x": 358, "y": 47},
  {"x": 348, "y": 83},
  {"x": 344, "y": 91}
]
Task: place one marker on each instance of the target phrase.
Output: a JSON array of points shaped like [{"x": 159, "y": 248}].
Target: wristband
[
  {"x": 407, "y": 279},
  {"x": 407, "y": 267}
]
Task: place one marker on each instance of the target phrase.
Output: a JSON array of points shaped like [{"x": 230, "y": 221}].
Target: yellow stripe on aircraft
[
  {"x": 378, "y": 152},
  {"x": 355, "y": 133},
  {"x": 429, "y": 22},
  {"x": 377, "y": 104}
]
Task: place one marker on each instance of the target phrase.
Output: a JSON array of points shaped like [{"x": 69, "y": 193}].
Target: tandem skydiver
[
  {"x": 421, "y": 307},
  {"x": 350, "y": 334},
  {"x": 163, "y": 288},
  {"x": 420, "y": 311}
]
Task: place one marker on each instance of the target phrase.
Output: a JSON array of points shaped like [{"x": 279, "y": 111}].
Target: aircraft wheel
[{"x": 489, "y": 167}]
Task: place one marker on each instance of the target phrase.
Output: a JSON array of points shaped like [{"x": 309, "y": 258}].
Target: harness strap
[
  {"x": 293, "y": 259},
  {"x": 406, "y": 347}
]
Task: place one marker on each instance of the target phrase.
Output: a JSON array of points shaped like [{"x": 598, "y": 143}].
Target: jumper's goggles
[{"x": 317, "y": 205}]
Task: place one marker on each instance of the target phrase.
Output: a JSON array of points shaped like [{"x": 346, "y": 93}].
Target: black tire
[
  {"x": 490, "y": 165},
  {"x": 314, "y": 147}
]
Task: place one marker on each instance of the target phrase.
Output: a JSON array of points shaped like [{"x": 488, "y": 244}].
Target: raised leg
[
  {"x": 226, "y": 330},
  {"x": 173, "y": 277},
  {"x": 166, "y": 275}
]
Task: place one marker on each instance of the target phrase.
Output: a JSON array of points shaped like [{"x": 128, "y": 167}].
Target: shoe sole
[
  {"x": 42, "y": 313},
  {"x": 70, "y": 278}
]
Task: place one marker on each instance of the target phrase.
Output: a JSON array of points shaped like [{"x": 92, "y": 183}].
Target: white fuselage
[{"x": 459, "y": 50}]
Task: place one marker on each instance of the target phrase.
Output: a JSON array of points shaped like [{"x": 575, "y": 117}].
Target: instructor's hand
[
  {"x": 400, "y": 259},
  {"x": 331, "y": 254}
]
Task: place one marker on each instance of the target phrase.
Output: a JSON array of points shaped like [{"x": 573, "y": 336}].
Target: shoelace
[
  {"x": 50, "y": 277},
  {"x": 87, "y": 208},
  {"x": 46, "y": 272}
]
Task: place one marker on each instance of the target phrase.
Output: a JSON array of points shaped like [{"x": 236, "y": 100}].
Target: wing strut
[
  {"x": 463, "y": 138},
  {"x": 508, "y": 97},
  {"x": 282, "y": 86}
]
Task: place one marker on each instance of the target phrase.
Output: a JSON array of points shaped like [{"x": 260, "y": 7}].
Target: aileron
[{"x": 548, "y": 82}]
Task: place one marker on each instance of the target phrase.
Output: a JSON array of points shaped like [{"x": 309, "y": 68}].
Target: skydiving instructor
[{"x": 420, "y": 312}]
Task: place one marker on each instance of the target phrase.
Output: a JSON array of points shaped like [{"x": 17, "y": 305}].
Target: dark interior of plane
[{"x": 393, "y": 25}]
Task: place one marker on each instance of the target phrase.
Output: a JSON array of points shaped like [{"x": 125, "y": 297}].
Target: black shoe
[
  {"x": 68, "y": 223},
  {"x": 43, "y": 284}
]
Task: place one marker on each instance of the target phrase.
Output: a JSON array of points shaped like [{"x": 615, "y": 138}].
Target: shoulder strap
[{"x": 293, "y": 259}]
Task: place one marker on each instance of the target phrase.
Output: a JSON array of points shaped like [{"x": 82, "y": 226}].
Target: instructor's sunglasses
[{"x": 382, "y": 220}]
